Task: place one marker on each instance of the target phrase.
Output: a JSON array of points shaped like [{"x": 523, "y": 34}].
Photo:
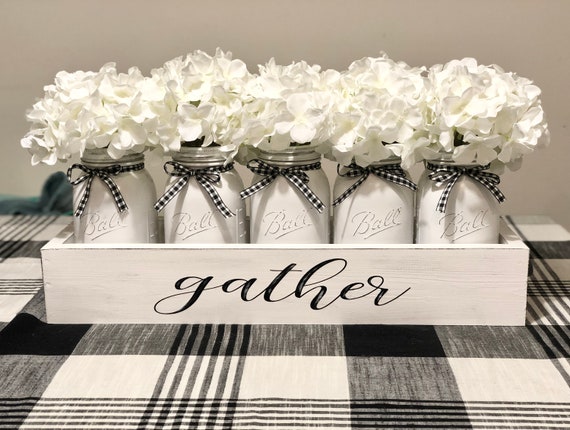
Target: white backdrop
[{"x": 39, "y": 38}]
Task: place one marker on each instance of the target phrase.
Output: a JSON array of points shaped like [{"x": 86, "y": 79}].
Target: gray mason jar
[{"x": 113, "y": 199}]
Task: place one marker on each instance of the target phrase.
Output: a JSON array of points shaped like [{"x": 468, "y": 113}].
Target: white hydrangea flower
[
  {"x": 208, "y": 93},
  {"x": 378, "y": 112},
  {"x": 483, "y": 114},
  {"x": 289, "y": 105},
  {"x": 124, "y": 112}
]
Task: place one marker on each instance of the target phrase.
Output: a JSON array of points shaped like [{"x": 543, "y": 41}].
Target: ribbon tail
[
  {"x": 216, "y": 199},
  {"x": 309, "y": 194},
  {"x": 117, "y": 196},
  {"x": 349, "y": 190},
  {"x": 490, "y": 184},
  {"x": 442, "y": 203},
  {"x": 84, "y": 197},
  {"x": 170, "y": 193},
  {"x": 261, "y": 184}
]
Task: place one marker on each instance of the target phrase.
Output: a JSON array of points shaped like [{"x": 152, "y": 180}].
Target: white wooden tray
[{"x": 299, "y": 284}]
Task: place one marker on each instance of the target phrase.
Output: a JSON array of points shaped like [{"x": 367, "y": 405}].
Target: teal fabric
[{"x": 56, "y": 198}]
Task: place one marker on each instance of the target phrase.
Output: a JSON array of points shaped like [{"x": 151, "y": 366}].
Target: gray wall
[{"x": 39, "y": 38}]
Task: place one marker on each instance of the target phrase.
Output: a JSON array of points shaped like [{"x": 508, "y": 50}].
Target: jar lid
[
  {"x": 294, "y": 155},
  {"x": 445, "y": 159},
  {"x": 202, "y": 156},
  {"x": 99, "y": 157},
  {"x": 390, "y": 160}
]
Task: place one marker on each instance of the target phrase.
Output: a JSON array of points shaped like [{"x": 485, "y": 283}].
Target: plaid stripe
[
  {"x": 290, "y": 413},
  {"x": 19, "y": 236},
  {"x": 548, "y": 315},
  {"x": 449, "y": 174},
  {"x": 25, "y": 228},
  {"x": 20, "y": 286},
  {"x": 205, "y": 177},
  {"x": 390, "y": 172},
  {"x": 548, "y": 288},
  {"x": 407, "y": 414},
  {"x": 295, "y": 175},
  {"x": 105, "y": 175}
]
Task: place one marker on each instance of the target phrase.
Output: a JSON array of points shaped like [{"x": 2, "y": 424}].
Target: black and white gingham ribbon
[
  {"x": 390, "y": 172},
  {"x": 450, "y": 174},
  {"x": 295, "y": 175},
  {"x": 205, "y": 177},
  {"x": 104, "y": 174}
]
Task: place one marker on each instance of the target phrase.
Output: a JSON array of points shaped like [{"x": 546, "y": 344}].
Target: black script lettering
[
  {"x": 351, "y": 287},
  {"x": 267, "y": 292},
  {"x": 381, "y": 291},
  {"x": 359, "y": 285},
  {"x": 384, "y": 291},
  {"x": 244, "y": 285},
  {"x": 312, "y": 282},
  {"x": 321, "y": 289},
  {"x": 229, "y": 286},
  {"x": 199, "y": 283}
]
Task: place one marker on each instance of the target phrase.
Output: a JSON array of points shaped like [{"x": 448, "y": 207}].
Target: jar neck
[
  {"x": 445, "y": 159},
  {"x": 293, "y": 156},
  {"x": 387, "y": 162},
  {"x": 99, "y": 158},
  {"x": 199, "y": 157}
]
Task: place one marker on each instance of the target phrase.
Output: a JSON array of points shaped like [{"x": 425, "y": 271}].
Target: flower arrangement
[
  {"x": 210, "y": 94},
  {"x": 289, "y": 105},
  {"x": 378, "y": 114},
  {"x": 123, "y": 112},
  {"x": 376, "y": 109},
  {"x": 482, "y": 114}
]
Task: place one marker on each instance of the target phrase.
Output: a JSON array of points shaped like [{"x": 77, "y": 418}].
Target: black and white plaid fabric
[
  {"x": 390, "y": 172},
  {"x": 267, "y": 376},
  {"x": 104, "y": 174},
  {"x": 450, "y": 174},
  {"x": 295, "y": 175},
  {"x": 205, "y": 177}
]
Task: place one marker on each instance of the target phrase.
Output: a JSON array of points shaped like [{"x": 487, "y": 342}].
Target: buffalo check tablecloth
[{"x": 261, "y": 376}]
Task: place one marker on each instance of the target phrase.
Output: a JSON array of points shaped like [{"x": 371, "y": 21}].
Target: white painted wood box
[{"x": 294, "y": 284}]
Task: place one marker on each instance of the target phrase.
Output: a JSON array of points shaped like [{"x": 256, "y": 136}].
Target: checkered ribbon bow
[
  {"x": 450, "y": 174},
  {"x": 205, "y": 177},
  {"x": 104, "y": 174},
  {"x": 390, "y": 172},
  {"x": 295, "y": 175}
]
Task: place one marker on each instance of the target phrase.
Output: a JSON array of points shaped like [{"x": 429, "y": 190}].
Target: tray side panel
[{"x": 290, "y": 286}]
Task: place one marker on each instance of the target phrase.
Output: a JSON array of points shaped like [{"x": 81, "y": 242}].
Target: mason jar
[
  {"x": 472, "y": 211},
  {"x": 101, "y": 220},
  {"x": 192, "y": 216},
  {"x": 378, "y": 210},
  {"x": 281, "y": 212}
]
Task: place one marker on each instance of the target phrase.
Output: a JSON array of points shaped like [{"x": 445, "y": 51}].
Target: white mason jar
[
  {"x": 192, "y": 216},
  {"x": 472, "y": 211},
  {"x": 378, "y": 210},
  {"x": 101, "y": 220},
  {"x": 282, "y": 213}
]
